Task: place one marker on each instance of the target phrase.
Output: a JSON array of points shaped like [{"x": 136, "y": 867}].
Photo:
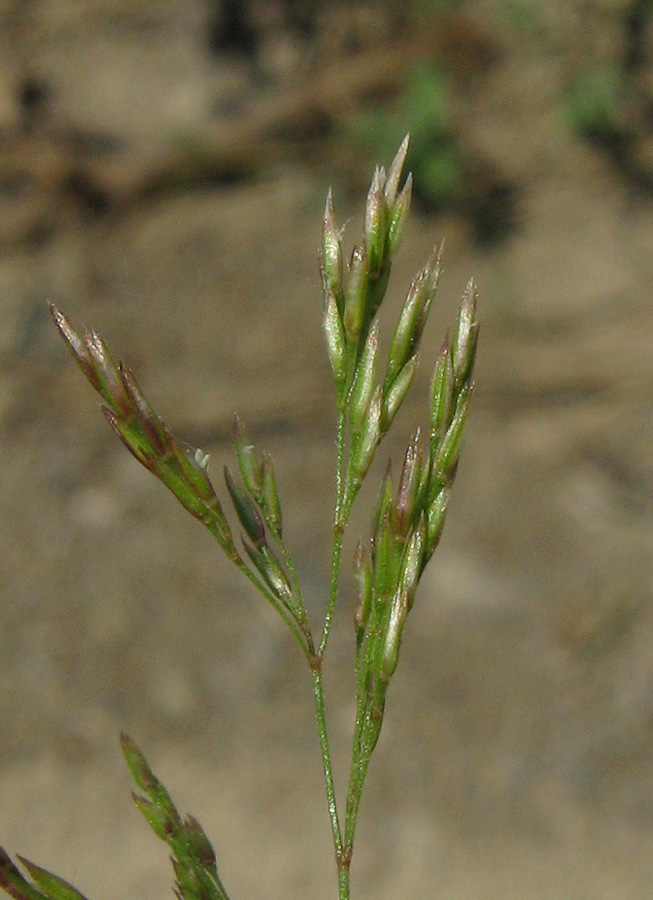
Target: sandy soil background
[{"x": 167, "y": 191}]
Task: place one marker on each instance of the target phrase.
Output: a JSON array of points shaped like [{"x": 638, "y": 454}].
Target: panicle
[
  {"x": 353, "y": 294},
  {"x": 181, "y": 468}
]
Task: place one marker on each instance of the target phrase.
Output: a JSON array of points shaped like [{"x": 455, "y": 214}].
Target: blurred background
[{"x": 163, "y": 167}]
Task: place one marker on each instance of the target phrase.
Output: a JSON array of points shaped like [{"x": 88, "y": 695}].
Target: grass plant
[{"x": 407, "y": 519}]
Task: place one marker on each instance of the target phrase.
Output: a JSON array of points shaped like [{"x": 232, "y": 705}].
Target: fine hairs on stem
[{"x": 406, "y": 520}]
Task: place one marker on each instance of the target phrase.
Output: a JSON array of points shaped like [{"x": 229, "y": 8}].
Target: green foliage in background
[
  {"x": 594, "y": 102},
  {"x": 435, "y": 156}
]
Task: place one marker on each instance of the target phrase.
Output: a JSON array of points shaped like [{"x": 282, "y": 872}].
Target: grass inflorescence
[{"x": 407, "y": 518}]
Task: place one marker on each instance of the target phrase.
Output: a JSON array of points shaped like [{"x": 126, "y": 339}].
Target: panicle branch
[
  {"x": 44, "y": 885},
  {"x": 193, "y": 857},
  {"x": 407, "y": 523},
  {"x": 184, "y": 470}
]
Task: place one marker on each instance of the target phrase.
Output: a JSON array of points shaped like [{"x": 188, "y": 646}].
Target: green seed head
[
  {"x": 250, "y": 468},
  {"x": 463, "y": 345},
  {"x": 356, "y": 293},
  {"x": 406, "y": 506},
  {"x": 376, "y": 214},
  {"x": 394, "y": 173},
  {"x": 392, "y": 639},
  {"x": 364, "y": 381},
  {"x": 335, "y": 338},
  {"x": 331, "y": 254},
  {"x": 248, "y": 514},
  {"x": 398, "y": 217},
  {"x": 395, "y": 395}
]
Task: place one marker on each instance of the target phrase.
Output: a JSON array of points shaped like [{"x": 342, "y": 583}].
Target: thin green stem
[
  {"x": 320, "y": 715},
  {"x": 338, "y": 531},
  {"x": 342, "y": 859},
  {"x": 343, "y": 879}
]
